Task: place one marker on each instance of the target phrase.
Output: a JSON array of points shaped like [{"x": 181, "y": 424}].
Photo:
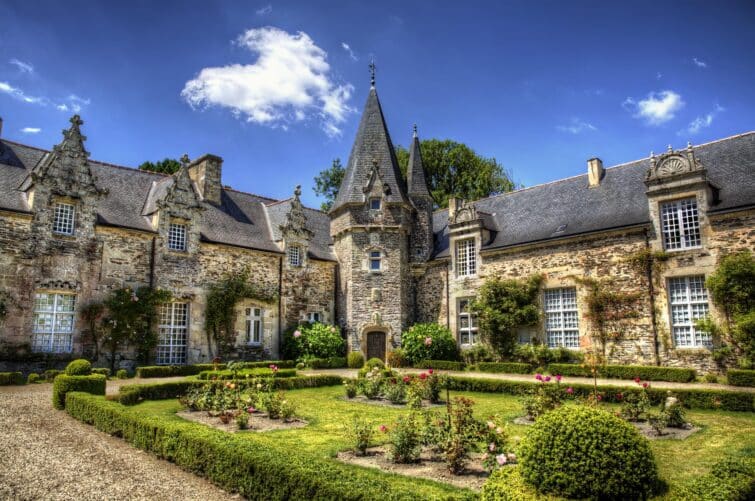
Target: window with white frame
[
  {"x": 466, "y": 258},
  {"x": 294, "y": 255},
  {"x": 173, "y": 334},
  {"x": 688, "y": 301},
  {"x": 561, "y": 317},
  {"x": 680, "y": 224},
  {"x": 177, "y": 237},
  {"x": 63, "y": 219},
  {"x": 375, "y": 203},
  {"x": 468, "y": 328},
  {"x": 314, "y": 316},
  {"x": 254, "y": 325},
  {"x": 53, "y": 322},
  {"x": 376, "y": 260}
]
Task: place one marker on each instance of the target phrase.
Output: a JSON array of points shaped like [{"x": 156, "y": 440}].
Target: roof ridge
[
  {"x": 624, "y": 164},
  {"x": 252, "y": 194}
]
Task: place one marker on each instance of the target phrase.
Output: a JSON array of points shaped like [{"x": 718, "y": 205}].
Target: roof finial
[
  {"x": 689, "y": 145},
  {"x": 185, "y": 160},
  {"x": 415, "y": 131},
  {"x": 372, "y": 73},
  {"x": 670, "y": 148},
  {"x": 297, "y": 191}
]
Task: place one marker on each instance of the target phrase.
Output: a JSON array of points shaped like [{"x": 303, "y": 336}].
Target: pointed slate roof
[
  {"x": 372, "y": 148},
  {"x": 415, "y": 173}
]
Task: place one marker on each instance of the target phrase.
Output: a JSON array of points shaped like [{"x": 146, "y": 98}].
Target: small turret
[{"x": 419, "y": 194}]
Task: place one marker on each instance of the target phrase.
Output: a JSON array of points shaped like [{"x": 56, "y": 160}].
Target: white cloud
[
  {"x": 31, "y": 130},
  {"x": 656, "y": 108},
  {"x": 576, "y": 126},
  {"x": 701, "y": 122},
  {"x": 347, "y": 48},
  {"x": 75, "y": 103},
  {"x": 19, "y": 94},
  {"x": 289, "y": 81},
  {"x": 699, "y": 63},
  {"x": 22, "y": 66},
  {"x": 267, "y": 9}
]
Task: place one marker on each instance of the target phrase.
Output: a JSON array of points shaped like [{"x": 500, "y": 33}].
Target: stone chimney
[
  {"x": 595, "y": 172},
  {"x": 206, "y": 172},
  {"x": 454, "y": 204}
]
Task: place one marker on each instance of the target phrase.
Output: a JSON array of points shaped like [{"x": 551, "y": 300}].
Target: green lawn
[{"x": 328, "y": 415}]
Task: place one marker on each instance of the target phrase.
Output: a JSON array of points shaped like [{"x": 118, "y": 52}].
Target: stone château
[{"x": 73, "y": 229}]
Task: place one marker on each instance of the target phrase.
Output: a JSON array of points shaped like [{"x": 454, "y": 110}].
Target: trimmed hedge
[
  {"x": 134, "y": 393},
  {"x": 327, "y": 363},
  {"x": 504, "y": 367},
  {"x": 51, "y": 374},
  {"x": 11, "y": 378},
  {"x": 63, "y": 384},
  {"x": 507, "y": 484},
  {"x": 738, "y": 377},
  {"x": 79, "y": 367},
  {"x": 254, "y": 467},
  {"x": 693, "y": 398},
  {"x": 732, "y": 479},
  {"x": 445, "y": 365},
  {"x": 244, "y": 373},
  {"x": 151, "y": 371},
  {"x": 355, "y": 360},
  {"x": 644, "y": 372},
  {"x": 101, "y": 370}
]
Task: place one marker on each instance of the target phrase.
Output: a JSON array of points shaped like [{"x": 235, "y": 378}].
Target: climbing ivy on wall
[
  {"x": 221, "y": 301},
  {"x": 608, "y": 310},
  {"x": 3, "y": 305}
]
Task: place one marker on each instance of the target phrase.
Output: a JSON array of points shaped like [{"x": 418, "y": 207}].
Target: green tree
[
  {"x": 503, "y": 306},
  {"x": 164, "y": 166},
  {"x": 328, "y": 182},
  {"x": 452, "y": 169}
]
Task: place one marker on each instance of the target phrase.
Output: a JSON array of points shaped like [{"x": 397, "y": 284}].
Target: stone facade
[{"x": 381, "y": 260}]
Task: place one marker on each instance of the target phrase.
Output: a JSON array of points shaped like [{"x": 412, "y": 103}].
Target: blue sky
[{"x": 276, "y": 88}]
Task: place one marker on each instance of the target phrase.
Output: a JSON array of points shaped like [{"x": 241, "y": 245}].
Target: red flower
[
  {"x": 637, "y": 379},
  {"x": 645, "y": 385},
  {"x": 430, "y": 371},
  {"x": 619, "y": 396},
  {"x": 383, "y": 428},
  {"x": 558, "y": 377},
  {"x": 423, "y": 376},
  {"x": 569, "y": 390},
  {"x": 600, "y": 397},
  {"x": 407, "y": 379}
]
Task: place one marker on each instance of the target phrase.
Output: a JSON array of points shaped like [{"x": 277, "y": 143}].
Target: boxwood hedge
[
  {"x": 253, "y": 467},
  {"x": 151, "y": 371},
  {"x": 446, "y": 365},
  {"x": 644, "y": 372},
  {"x": 737, "y": 377},
  {"x": 691, "y": 398},
  {"x": 327, "y": 363},
  {"x": 64, "y": 384},
  {"x": 732, "y": 479},
  {"x": 9, "y": 378},
  {"x": 243, "y": 373},
  {"x": 504, "y": 367}
]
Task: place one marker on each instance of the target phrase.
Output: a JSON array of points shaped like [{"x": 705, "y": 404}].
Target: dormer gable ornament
[
  {"x": 673, "y": 164},
  {"x": 181, "y": 192},
  {"x": 296, "y": 220},
  {"x": 463, "y": 214},
  {"x": 375, "y": 177}
]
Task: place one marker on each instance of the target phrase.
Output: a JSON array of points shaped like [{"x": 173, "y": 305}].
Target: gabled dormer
[{"x": 296, "y": 235}]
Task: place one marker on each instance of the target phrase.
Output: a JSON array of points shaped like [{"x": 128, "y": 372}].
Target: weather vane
[{"x": 372, "y": 72}]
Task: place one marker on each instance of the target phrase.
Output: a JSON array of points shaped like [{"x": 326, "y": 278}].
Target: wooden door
[{"x": 376, "y": 345}]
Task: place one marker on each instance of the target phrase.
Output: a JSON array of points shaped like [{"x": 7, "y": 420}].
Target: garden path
[
  {"x": 46, "y": 454},
  {"x": 565, "y": 380}
]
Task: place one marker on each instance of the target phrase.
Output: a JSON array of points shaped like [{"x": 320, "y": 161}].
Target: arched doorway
[{"x": 376, "y": 345}]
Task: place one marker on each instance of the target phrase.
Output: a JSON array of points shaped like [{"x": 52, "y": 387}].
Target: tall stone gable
[{"x": 373, "y": 218}]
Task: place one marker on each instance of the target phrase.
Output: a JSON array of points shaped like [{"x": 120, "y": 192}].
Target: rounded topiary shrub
[
  {"x": 355, "y": 360},
  {"x": 578, "y": 451},
  {"x": 79, "y": 367},
  {"x": 32, "y": 378},
  {"x": 428, "y": 342},
  {"x": 122, "y": 374}
]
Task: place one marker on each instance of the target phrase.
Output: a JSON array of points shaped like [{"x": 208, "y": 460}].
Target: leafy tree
[
  {"x": 452, "y": 169},
  {"x": 328, "y": 182},
  {"x": 131, "y": 315},
  {"x": 91, "y": 314},
  {"x": 164, "y": 166},
  {"x": 503, "y": 306}
]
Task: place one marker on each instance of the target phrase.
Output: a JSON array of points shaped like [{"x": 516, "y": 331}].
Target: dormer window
[
  {"x": 376, "y": 261},
  {"x": 62, "y": 223},
  {"x": 294, "y": 255},
  {"x": 466, "y": 258},
  {"x": 375, "y": 203},
  {"x": 680, "y": 224},
  {"x": 177, "y": 237}
]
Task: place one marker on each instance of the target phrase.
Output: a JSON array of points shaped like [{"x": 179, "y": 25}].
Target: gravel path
[{"x": 46, "y": 454}]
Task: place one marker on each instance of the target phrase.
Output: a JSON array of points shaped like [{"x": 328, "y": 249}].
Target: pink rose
[
  {"x": 501, "y": 459},
  {"x": 297, "y": 334},
  {"x": 383, "y": 428},
  {"x": 558, "y": 377},
  {"x": 600, "y": 397},
  {"x": 645, "y": 385},
  {"x": 430, "y": 371},
  {"x": 423, "y": 376},
  {"x": 569, "y": 390},
  {"x": 547, "y": 379},
  {"x": 407, "y": 379},
  {"x": 491, "y": 446},
  {"x": 637, "y": 379},
  {"x": 428, "y": 341},
  {"x": 539, "y": 376}
]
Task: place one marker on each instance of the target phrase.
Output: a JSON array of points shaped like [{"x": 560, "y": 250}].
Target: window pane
[
  {"x": 177, "y": 237},
  {"x": 688, "y": 300},
  {"x": 53, "y": 323},
  {"x": 63, "y": 219},
  {"x": 561, "y": 317},
  {"x": 680, "y": 224},
  {"x": 173, "y": 334}
]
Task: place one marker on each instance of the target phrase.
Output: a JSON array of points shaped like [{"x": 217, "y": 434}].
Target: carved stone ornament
[
  {"x": 375, "y": 177},
  {"x": 468, "y": 212},
  {"x": 296, "y": 220},
  {"x": 672, "y": 164}
]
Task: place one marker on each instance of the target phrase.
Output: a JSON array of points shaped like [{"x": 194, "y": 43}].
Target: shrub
[
  {"x": 11, "y": 378},
  {"x": 245, "y": 373},
  {"x": 647, "y": 373},
  {"x": 586, "y": 452},
  {"x": 80, "y": 367},
  {"x": 394, "y": 390},
  {"x": 545, "y": 397},
  {"x": 738, "y": 377},
  {"x": 405, "y": 440},
  {"x": 711, "y": 377},
  {"x": 314, "y": 340},
  {"x": 32, "y": 378},
  {"x": 371, "y": 364},
  {"x": 122, "y": 374},
  {"x": 397, "y": 358},
  {"x": 51, "y": 374},
  {"x": 326, "y": 363},
  {"x": 476, "y": 354},
  {"x": 504, "y": 367},
  {"x": 507, "y": 484},
  {"x": 360, "y": 435},
  {"x": 445, "y": 365},
  {"x": 732, "y": 479},
  {"x": 94, "y": 384},
  {"x": 250, "y": 465},
  {"x": 351, "y": 388},
  {"x": 355, "y": 360},
  {"x": 428, "y": 342},
  {"x": 194, "y": 369},
  {"x": 101, "y": 370}
]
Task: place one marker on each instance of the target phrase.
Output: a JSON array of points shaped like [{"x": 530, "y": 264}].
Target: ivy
[
  {"x": 221, "y": 301},
  {"x": 646, "y": 260},
  {"x": 503, "y": 306},
  {"x": 3, "y": 305},
  {"x": 608, "y": 310}
]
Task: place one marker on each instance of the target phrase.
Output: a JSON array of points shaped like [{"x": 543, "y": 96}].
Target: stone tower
[{"x": 371, "y": 224}]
